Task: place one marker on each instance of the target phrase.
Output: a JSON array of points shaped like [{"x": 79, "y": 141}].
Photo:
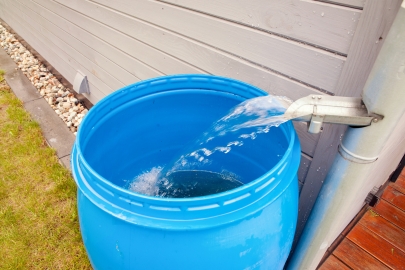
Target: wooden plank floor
[{"x": 377, "y": 241}]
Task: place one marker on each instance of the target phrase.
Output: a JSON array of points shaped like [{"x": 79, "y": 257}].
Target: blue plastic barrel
[{"x": 144, "y": 125}]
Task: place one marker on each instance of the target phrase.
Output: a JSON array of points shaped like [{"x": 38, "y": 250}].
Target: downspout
[{"x": 348, "y": 183}]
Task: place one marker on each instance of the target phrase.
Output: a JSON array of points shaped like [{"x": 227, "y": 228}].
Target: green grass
[
  {"x": 39, "y": 226},
  {"x": 1, "y": 75}
]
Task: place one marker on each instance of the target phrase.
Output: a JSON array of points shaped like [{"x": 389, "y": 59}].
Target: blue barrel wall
[{"x": 144, "y": 125}]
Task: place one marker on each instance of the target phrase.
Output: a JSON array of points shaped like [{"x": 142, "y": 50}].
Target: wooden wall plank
[
  {"x": 301, "y": 62},
  {"x": 333, "y": 263},
  {"x": 101, "y": 67},
  {"x": 361, "y": 56},
  {"x": 375, "y": 22},
  {"x": 90, "y": 66},
  {"x": 305, "y": 160},
  {"x": 211, "y": 59},
  {"x": 84, "y": 49},
  {"x": 308, "y": 21},
  {"x": 66, "y": 56},
  {"x": 378, "y": 247},
  {"x": 62, "y": 62},
  {"x": 323, "y": 158},
  {"x": 308, "y": 141},
  {"x": 348, "y": 3},
  {"x": 197, "y": 55},
  {"x": 67, "y": 71},
  {"x": 142, "y": 51},
  {"x": 2, "y": 9},
  {"x": 304, "y": 166},
  {"x": 95, "y": 95},
  {"x": 356, "y": 258},
  {"x": 126, "y": 61}
]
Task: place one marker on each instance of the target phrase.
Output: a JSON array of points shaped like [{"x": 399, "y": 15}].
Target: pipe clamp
[{"x": 346, "y": 154}]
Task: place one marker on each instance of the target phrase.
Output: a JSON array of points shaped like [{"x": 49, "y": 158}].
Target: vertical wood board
[
  {"x": 356, "y": 70},
  {"x": 375, "y": 22},
  {"x": 324, "y": 156},
  {"x": 308, "y": 141},
  {"x": 305, "y": 163}
]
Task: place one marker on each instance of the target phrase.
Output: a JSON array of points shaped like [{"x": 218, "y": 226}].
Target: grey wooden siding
[{"x": 286, "y": 47}]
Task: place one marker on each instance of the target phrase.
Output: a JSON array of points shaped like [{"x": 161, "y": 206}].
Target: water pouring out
[{"x": 200, "y": 168}]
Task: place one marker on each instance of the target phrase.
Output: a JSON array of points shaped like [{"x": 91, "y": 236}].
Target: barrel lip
[{"x": 191, "y": 209}]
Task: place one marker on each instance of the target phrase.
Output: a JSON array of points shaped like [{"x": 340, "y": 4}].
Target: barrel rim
[{"x": 185, "y": 204}]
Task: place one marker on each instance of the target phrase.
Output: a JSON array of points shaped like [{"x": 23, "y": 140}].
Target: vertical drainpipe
[{"x": 347, "y": 183}]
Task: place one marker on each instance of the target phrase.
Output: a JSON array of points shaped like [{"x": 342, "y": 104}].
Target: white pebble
[{"x": 46, "y": 83}]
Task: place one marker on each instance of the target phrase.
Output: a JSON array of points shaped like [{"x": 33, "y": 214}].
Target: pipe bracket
[{"x": 346, "y": 154}]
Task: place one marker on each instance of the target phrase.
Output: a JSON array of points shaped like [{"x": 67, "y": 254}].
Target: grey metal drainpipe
[{"x": 347, "y": 183}]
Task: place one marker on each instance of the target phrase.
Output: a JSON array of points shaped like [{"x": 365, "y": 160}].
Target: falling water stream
[{"x": 196, "y": 170}]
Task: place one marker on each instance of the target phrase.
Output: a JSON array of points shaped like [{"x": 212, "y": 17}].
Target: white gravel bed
[{"x": 62, "y": 101}]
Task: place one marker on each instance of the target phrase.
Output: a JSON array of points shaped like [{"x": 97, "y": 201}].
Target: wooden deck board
[
  {"x": 375, "y": 239},
  {"x": 386, "y": 230},
  {"x": 398, "y": 187},
  {"x": 394, "y": 197},
  {"x": 333, "y": 263},
  {"x": 401, "y": 180},
  {"x": 391, "y": 213},
  {"x": 356, "y": 258},
  {"x": 380, "y": 248}
]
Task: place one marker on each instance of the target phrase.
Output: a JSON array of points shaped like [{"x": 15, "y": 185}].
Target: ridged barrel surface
[{"x": 144, "y": 125}]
